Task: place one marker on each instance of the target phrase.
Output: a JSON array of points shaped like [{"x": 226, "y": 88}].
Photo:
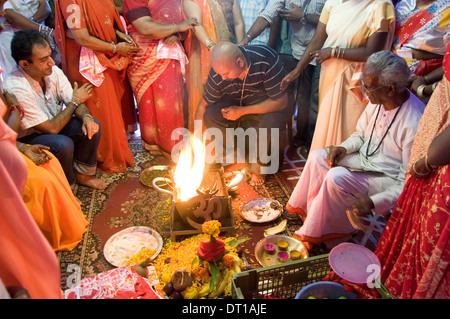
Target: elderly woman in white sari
[
  {"x": 367, "y": 171},
  {"x": 348, "y": 32}
]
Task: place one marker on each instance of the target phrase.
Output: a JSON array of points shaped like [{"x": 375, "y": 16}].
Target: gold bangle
[
  {"x": 417, "y": 173},
  {"x": 333, "y": 52},
  {"x": 420, "y": 90}
]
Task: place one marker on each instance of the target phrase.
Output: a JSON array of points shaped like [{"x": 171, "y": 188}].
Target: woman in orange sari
[
  {"x": 26, "y": 258},
  {"x": 94, "y": 47},
  {"x": 156, "y": 72},
  {"x": 218, "y": 20}
]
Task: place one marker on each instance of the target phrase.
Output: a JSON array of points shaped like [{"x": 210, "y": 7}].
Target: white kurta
[{"x": 323, "y": 194}]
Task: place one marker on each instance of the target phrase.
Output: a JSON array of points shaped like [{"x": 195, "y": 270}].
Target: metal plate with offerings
[{"x": 125, "y": 244}]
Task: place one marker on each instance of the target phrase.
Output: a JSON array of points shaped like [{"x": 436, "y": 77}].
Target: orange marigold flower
[
  {"x": 212, "y": 228},
  {"x": 228, "y": 260}
]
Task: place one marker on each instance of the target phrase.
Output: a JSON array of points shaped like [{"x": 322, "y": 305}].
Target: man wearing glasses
[{"x": 366, "y": 173}]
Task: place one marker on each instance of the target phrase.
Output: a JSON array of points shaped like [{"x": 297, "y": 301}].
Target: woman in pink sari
[{"x": 156, "y": 71}]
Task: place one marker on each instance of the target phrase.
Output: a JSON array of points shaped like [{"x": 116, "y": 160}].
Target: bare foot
[
  {"x": 257, "y": 179},
  {"x": 91, "y": 181}
]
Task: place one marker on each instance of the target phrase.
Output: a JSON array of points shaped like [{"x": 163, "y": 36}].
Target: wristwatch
[{"x": 304, "y": 20}]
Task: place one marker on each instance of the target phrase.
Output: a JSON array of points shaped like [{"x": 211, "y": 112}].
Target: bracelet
[
  {"x": 426, "y": 163},
  {"x": 210, "y": 45},
  {"x": 76, "y": 104},
  {"x": 420, "y": 174},
  {"x": 420, "y": 89},
  {"x": 88, "y": 115},
  {"x": 249, "y": 36},
  {"x": 341, "y": 53},
  {"x": 425, "y": 78},
  {"x": 20, "y": 146},
  {"x": 114, "y": 48},
  {"x": 18, "y": 108},
  {"x": 46, "y": 30},
  {"x": 333, "y": 52},
  {"x": 435, "y": 84}
]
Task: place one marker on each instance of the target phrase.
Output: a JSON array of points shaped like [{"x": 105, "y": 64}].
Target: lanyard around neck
[{"x": 385, "y": 134}]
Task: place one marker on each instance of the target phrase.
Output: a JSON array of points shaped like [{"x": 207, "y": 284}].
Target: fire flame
[{"x": 189, "y": 170}]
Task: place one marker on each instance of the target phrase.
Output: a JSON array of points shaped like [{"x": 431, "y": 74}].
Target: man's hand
[
  {"x": 82, "y": 93},
  {"x": 89, "y": 126},
  {"x": 232, "y": 113},
  {"x": 291, "y": 76},
  {"x": 294, "y": 14},
  {"x": 335, "y": 154},
  {"x": 362, "y": 205},
  {"x": 36, "y": 153}
]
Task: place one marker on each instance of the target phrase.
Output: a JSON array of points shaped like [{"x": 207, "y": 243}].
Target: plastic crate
[{"x": 279, "y": 281}]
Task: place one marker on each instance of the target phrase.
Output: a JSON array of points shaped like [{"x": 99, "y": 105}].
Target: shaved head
[{"x": 227, "y": 58}]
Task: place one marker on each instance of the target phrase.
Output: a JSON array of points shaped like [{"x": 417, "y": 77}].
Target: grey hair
[{"x": 390, "y": 69}]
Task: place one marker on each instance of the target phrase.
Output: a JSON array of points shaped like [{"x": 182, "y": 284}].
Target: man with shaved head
[{"x": 243, "y": 95}]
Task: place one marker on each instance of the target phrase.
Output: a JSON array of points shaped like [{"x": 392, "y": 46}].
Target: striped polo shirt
[{"x": 262, "y": 82}]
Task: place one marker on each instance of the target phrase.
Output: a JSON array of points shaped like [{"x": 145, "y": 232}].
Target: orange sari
[
  {"x": 214, "y": 22},
  {"x": 101, "y": 18},
  {"x": 55, "y": 210},
  {"x": 26, "y": 258}
]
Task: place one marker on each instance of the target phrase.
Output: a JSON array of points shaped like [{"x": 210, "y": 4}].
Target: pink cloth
[
  {"x": 90, "y": 67},
  {"x": 120, "y": 283},
  {"x": 26, "y": 258}
]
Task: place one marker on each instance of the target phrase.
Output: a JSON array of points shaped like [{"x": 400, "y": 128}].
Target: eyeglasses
[{"x": 370, "y": 91}]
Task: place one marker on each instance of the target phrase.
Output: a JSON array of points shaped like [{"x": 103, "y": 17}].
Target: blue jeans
[{"x": 71, "y": 147}]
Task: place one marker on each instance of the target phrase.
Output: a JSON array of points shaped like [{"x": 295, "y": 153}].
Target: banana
[
  {"x": 276, "y": 229},
  {"x": 221, "y": 284}
]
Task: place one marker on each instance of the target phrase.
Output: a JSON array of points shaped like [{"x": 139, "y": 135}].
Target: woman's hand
[
  {"x": 171, "y": 39},
  {"x": 82, "y": 93},
  {"x": 187, "y": 24},
  {"x": 126, "y": 49},
  {"x": 36, "y": 153},
  {"x": 419, "y": 169},
  {"x": 321, "y": 55},
  {"x": 125, "y": 38}
]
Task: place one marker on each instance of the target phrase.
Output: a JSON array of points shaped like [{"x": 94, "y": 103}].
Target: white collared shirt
[{"x": 38, "y": 106}]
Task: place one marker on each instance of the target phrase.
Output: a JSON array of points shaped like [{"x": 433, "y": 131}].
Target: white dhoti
[{"x": 323, "y": 194}]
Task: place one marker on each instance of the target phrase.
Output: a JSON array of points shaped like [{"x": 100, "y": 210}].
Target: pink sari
[{"x": 157, "y": 82}]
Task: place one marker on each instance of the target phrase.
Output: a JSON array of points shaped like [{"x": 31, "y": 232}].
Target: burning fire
[{"x": 189, "y": 170}]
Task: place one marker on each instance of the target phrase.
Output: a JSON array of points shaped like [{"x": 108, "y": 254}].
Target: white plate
[
  {"x": 123, "y": 245},
  {"x": 267, "y": 214}
]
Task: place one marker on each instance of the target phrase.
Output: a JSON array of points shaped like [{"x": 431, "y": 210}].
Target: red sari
[
  {"x": 157, "y": 82},
  {"x": 100, "y": 17}
]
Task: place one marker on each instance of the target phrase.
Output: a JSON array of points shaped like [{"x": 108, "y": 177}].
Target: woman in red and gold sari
[
  {"x": 94, "y": 47},
  {"x": 414, "y": 249},
  {"x": 156, "y": 71}
]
